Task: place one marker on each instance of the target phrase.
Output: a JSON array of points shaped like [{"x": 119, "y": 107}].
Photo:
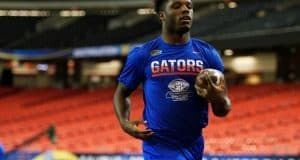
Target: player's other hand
[{"x": 133, "y": 129}]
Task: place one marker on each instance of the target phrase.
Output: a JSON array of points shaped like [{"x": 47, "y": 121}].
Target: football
[{"x": 216, "y": 76}]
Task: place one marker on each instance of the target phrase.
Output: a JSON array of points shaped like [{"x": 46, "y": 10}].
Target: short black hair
[{"x": 158, "y": 5}]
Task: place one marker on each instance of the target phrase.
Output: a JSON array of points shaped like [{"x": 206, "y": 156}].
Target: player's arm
[
  {"x": 217, "y": 95},
  {"x": 122, "y": 103},
  {"x": 122, "y": 110}
]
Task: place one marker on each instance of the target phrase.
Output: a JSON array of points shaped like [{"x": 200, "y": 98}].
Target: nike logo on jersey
[
  {"x": 176, "y": 67},
  {"x": 196, "y": 52}
]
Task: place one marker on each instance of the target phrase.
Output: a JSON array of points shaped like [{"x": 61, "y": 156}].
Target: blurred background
[{"x": 59, "y": 63}]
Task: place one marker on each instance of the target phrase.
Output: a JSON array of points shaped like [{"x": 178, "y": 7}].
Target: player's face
[{"x": 179, "y": 15}]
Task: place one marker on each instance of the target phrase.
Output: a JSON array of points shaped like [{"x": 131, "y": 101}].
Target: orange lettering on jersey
[
  {"x": 155, "y": 67},
  {"x": 199, "y": 66},
  {"x": 176, "y": 67},
  {"x": 191, "y": 65},
  {"x": 164, "y": 66},
  {"x": 172, "y": 62},
  {"x": 181, "y": 66}
]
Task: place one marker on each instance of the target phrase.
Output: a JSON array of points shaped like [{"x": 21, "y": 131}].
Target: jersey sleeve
[
  {"x": 133, "y": 72},
  {"x": 215, "y": 60}
]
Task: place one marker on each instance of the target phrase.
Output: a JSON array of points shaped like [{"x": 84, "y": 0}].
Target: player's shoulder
[
  {"x": 145, "y": 48},
  {"x": 202, "y": 44},
  {"x": 151, "y": 44},
  {"x": 142, "y": 52}
]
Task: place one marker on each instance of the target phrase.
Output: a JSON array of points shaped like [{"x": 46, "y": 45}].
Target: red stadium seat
[{"x": 264, "y": 119}]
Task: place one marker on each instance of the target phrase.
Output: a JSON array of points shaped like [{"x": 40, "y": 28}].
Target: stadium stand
[
  {"x": 264, "y": 121},
  {"x": 248, "y": 16},
  {"x": 13, "y": 28}
]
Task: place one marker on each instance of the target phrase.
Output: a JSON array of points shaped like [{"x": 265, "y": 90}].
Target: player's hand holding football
[
  {"x": 131, "y": 127},
  {"x": 208, "y": 89},
  {"x": 210, "y": 84}
]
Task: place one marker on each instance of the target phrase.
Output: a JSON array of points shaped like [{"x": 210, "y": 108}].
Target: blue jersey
[
  {"x": 173, "y": 109},
  {"x": 2, "y": 153}
]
